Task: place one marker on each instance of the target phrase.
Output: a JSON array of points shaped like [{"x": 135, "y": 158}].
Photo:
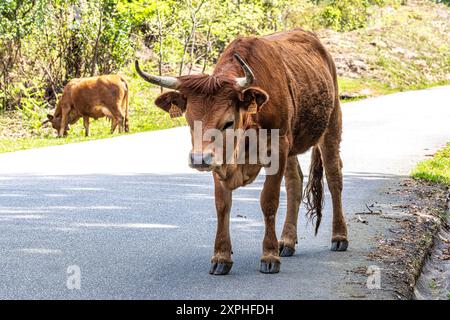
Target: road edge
[{"x": 404, "y": 251}]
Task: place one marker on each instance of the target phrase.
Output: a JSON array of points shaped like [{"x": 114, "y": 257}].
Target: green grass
[
  {"x": 436, "y": 169},
  {"x": 433, "y": 284},
  {"x": 362, "y": 88}
]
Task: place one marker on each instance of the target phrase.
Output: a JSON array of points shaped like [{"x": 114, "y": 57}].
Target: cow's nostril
[
  {"x": 207, "y": 158},
  {"x": 196, "y": 158},
  {"x": 228, "y": 125},
  {"x": 200, "y": 159}
]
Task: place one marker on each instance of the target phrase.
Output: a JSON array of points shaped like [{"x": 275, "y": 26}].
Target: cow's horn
[
  {"x": 249, "y": 76},
  {"x": 166, "y": 82}
]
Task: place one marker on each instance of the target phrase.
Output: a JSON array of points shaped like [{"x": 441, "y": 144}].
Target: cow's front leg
[
  {"x": 64, "y": 122},
  {"x": 114, "y": 124},
  {"x": 294, "y": 184},
  {"x": 221, "y": 262},
  {"x": 270, "y": 198}
]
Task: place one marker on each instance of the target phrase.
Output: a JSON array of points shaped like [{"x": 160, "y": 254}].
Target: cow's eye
[{"x": 228, "y": 125}]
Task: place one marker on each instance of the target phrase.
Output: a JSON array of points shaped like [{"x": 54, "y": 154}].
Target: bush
[
  {"x": 346, "y": 15},
  {"x": 331, "y": 17}
]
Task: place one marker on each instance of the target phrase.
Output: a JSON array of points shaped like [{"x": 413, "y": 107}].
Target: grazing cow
[
  {"x": 95, "y": 97},
  {"x": 285, "y": 81}
]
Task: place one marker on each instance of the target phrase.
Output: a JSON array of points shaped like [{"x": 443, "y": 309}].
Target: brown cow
[
  {"x": 284, "y": 81},
  {"x": 95, "y": 97}
]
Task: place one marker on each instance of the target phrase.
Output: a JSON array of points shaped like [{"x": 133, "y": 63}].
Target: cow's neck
[{"x": 235, "y": 175}]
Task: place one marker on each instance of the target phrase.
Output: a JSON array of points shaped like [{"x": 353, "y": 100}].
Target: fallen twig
[
  {"x": 362, "y": 220},
  {"x": 370, "y": 211}
]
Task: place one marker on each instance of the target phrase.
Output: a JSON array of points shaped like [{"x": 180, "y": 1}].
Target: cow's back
[
  {"x": 90, "y": 95},
  {"x": 299, "y": 75},
  {"x": 312, "y": 82}
]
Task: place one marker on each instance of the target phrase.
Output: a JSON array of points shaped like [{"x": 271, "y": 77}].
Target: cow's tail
[
  {"x": 126, "y": 106},
  {"x": 313, "y": 195}
]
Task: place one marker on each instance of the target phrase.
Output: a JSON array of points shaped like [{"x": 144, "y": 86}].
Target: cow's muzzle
[{"x": 202, "y": 161}]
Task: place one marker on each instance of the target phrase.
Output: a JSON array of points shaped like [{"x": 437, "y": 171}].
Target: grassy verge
[
  {"x": 436, "y": 169},
  {"x": 357, "y": 89}
]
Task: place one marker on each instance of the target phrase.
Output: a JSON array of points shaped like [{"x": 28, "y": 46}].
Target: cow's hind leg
[
  {"x": 121, "y": 122},
  {"x": 294, "y": 184},
  {"x": 86, "y": 126},
  {"x": 333, "y": 170},
  {"x": 126, "y": 107},
  {"x": 114, "y": 124},
  {"x": 117, "y": 120},
  {"x": 221, "y": 262},
  {"x": 120, "y": 118}
]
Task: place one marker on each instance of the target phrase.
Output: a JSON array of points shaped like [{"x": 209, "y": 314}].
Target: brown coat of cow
[
  {"x": 94, "y": 97},
  {"x": 295, "y": 88}
]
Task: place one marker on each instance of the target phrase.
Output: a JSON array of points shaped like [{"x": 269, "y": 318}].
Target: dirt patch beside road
[{"x": 403, "y": 249}]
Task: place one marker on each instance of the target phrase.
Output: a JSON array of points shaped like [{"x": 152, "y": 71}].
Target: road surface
[{"x": 137, "y": 223}]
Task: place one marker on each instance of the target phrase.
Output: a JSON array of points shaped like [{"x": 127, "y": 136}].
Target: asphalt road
[{"x": 139, "y": 224}]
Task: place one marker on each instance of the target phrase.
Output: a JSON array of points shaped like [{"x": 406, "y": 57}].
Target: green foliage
[
  {"x": 446, "y": 2},
  {"x": 383, "y": 3},
  {"x": 346, "y": 15},
  {"x": 331, "y": 17},
  {"x": 52, "y": 41},
  {"x": 32, "y": 107}
]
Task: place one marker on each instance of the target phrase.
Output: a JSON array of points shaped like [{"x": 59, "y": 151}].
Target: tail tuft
[{"x": 313, "y": 196}]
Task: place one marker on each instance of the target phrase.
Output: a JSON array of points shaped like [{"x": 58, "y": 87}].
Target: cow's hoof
[
  {"x": 270, "y": 267},
  {"x": 341, "y": 245},
  {"x": 286, "y": 251},
  {"x": 220, "y": 269}
]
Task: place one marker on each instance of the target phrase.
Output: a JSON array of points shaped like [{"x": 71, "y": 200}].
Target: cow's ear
[
  {"x": 172, "y": 102},
  {"x": 252, "y": 99}
]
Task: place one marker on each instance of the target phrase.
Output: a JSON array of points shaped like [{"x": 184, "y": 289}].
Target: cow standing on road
[
  {"x": 94, "y": 97},
  {"x": 285, "y": 81}
]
